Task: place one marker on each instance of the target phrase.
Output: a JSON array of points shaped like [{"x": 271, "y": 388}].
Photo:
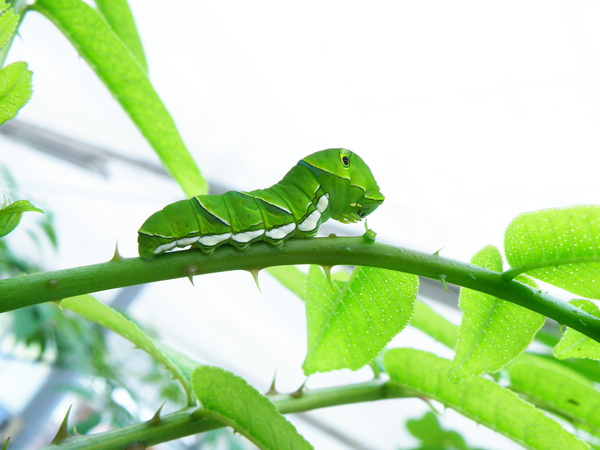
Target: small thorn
[
  {"x": 63, "y": 432},
  {"x": 327, "y": 273},
  {"x": 442, "y": 278},
  {"x": 57, "y": 303},
  {"x": 300, "y": 392},
  {"x": 116, "y": 256},
  {"x": 437, "y": 253},
  {"x": 254, "y": 273},
  {"x": 156, "y": 417},
  {"x": 5, "y": 446},
  {"x": 272, "y": 389},
  {"x": 190, "y": 272}
]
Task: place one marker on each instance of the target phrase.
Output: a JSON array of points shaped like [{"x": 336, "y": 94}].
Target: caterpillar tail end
[{"x": 146, "y": 247}]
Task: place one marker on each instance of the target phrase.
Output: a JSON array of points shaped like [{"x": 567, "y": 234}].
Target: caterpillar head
[{"x": 353, "y": 191}]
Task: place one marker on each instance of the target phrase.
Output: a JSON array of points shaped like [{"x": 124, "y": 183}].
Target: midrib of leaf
[
  {"x": 482, "y": 331},
  {"x": 515, "y": 271},
  {"x": 15, "y": 85},
  {"x": 324, "y": 293}
]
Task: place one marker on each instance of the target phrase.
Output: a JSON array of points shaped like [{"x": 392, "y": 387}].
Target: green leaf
[
  {"x": 558, "y": 389},
  {"x": 559, "y": 246},
  {"x": 126, "y": 79},
  {"x": 90, "y": 308},
  {"x": 10, "y": 215},
  {"x": 8, "y": 24},
  {"x": 15, "y": 89},
  {"x": 118, "y": 15},
  {"x": 493, "y": 331},
  {"x": 479, "y": 399},
  {"x": 231, "y": 400},
  {"x": 348, "y": 328},
  {"x": 574, "y": 344},
  {"x": 434, "y": 325}
]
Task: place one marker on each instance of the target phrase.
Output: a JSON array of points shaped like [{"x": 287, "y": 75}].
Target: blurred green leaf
[
  {"x": 127, "y": 80},
  {"x": 574, "y": 344},
  {"x": 479, "y": 399},
  {"x": 291, "y": 277},
  {"x": 493, "y": 331},
  {"x": 231, "y": 400},
  {"x": 348, "y": 327},
  {"x": 434, "y": 325},
  {"x": 10, "y": 215},
  {"x": 559, "y": 246},
  {"x": 90, "y": 308},
  {"x": 558, "y": 389},
  {"x": 428, "y": 430}
]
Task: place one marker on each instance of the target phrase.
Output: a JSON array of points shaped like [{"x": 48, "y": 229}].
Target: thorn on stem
[
  {"x": 254, "y": 273},
  {"x": 300, "y": 391},
  {"x": 190, "y": 272},
  {"x": 116, "y": 256},
  {"x": 272, "y": 389},
  {"x": 442, "y": 278},
  {"x": 327, "y": 273},
  {"x": 437, "y": 253},
  {"x": 63, "y": 432},
  {"x": 156, "y": 417}
]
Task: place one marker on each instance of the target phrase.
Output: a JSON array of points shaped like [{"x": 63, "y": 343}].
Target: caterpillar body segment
[{"x": 333, "y": 183}]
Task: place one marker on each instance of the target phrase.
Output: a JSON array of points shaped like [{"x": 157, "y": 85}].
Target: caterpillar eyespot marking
[{"x": 330, "y": 184}]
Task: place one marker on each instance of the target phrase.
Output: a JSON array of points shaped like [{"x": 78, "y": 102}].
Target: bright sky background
[{"x": 468, "y": 113}]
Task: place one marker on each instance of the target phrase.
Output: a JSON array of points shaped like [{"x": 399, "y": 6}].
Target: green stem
[
  {"x": 191, "y": 421},
  {"x": 32, "y": 289}
]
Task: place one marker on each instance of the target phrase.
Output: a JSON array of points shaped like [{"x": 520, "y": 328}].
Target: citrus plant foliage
[
  {"x": 15, "y": 78},
  {"x": 494, "y": 378}
]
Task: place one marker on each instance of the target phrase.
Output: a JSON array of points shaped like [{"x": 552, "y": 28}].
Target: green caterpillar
[{"x": 334, "y": 183}]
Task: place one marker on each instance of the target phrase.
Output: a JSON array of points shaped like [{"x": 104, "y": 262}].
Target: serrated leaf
[
  {"x": 561, "y": 390},
  {"x": 232, "y": 401},
  {"x": 479, "y": 399},
  {"x": 559, "y": 246},
  {"x": 493, "y": 331},
  {"x": 348, "y": 328},
  {"x": 10, "y": 215},
  {"x": 15, "y": 89},
  {"x": 573, "y": 344},
  {"x": 8, "y": 23},
  {"x": 118, "y": 14},
  {"x": 127, "y": 80},
  {"x": 434, "y": 325},
  {"x": 90, "y": 308}
]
